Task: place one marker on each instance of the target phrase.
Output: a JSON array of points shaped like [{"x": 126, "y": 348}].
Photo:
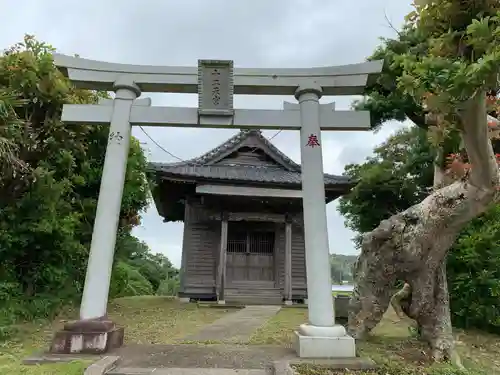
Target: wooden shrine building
[{"x": 241, "y": 204}]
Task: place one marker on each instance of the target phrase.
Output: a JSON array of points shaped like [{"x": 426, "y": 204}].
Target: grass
[
  {"x": 392, "y": 346},
  {"x": 341, "y": 293},
  {"x": 148, "y": 320},
  {"x": 33, "y": 337},
  {"x": 279, "y": 329},
  {"x": 160, "y": 320}
]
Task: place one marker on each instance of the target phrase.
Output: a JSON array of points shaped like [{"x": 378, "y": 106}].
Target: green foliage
[
  {"x": 474, "y": 269},
  {"x": 50, "y": 175},
  {"x": 461, "y": 54},
  {"x": 341, "y": 267},
  {"x": 384, "y": 98},
  {"x": 128, "y": 281},
  {"x": 154, "y": 267},
  {"x": 169, "y": 287},
  {"x": 396, "y": 177}
]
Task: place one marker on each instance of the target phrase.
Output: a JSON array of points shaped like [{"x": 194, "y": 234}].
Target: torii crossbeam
[{"x": 216, "y": 82}]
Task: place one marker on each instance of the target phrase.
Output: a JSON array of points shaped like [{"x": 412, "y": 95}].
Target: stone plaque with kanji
[{"x": 215, "y": 87}]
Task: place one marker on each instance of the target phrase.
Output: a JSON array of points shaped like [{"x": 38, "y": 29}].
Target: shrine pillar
[
  {"x": 221, "y": 270},
  {"x": 321, "y": 337},
  {"x": 94, "y": 333},
  {"x": 288, "y": 260}
]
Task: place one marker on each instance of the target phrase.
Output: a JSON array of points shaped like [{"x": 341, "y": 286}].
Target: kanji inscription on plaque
[{"x": 215, "y": 87}]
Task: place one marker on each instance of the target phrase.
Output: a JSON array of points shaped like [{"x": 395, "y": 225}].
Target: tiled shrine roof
[{"x": 282, "y": 171}]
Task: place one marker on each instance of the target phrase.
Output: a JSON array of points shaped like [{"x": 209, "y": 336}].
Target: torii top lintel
[{"x": 335, "y": 80}]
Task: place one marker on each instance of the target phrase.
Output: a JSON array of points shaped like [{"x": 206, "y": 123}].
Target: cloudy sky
[{"x": 257, "y": 33}]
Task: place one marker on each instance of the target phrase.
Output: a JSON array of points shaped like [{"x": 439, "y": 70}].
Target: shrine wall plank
[{"x": 200, "y": 240}]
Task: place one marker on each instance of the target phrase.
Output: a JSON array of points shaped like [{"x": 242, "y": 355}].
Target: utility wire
[
  {"x": 160, "y": 146},
  {"x": 182, "y": 160},
  {"x": 279, "y": 131}
]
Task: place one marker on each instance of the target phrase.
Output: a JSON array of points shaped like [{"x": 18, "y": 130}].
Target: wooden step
[
  {"x": 262, "y": 292},
  {"x": 251, "y": 284},
  {"x": 253, "y": 293},
  {"x": 254, "y": 300}
]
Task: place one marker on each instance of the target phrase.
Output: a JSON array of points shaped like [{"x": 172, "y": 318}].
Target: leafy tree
[
  {"x": 49, "y": 182},
  {"x": 384, "y": 98},
  {"x": 154, "y": 267},
  {"x": 169, "y": 287},
  {"x": 472, "y": 264},
  {"x": 397, "y": 176},
  {"x": 341, "y": 267},
  {"x": 474, "y": 274},
  {"x": 128, "y": 281},
  {"x": 449, "y": 71}
]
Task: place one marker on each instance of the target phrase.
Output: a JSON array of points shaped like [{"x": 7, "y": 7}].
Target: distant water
[{"x": 342, "y": 288}]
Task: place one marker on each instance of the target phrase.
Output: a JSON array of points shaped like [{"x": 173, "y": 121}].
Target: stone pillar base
[
  {"x": 324, "y": 342},
  {"x": 221, "y": 302},
  {"x": 87, "y": 337},
  {"x": 288, "y": 302}
]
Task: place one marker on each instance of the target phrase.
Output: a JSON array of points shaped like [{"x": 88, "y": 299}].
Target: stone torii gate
[{"x": 215, "y": 82}]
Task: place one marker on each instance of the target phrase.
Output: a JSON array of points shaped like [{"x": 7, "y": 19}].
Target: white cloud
[{"x": 280, "y": 33}]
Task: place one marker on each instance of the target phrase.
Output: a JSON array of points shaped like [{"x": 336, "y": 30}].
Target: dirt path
[{"x": 236, "y": 327}]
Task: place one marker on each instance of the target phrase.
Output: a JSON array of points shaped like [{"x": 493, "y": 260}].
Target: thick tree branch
[
  {"x": 484, "y": 171},
  {"x": 418, "y": 120}
]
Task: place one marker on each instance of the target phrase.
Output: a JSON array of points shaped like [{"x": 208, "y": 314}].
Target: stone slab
[
  {"x": 187, "y": 371},
  {"x": 102, "y": 366},
  {"x": 324, "y": 347},
  {"x": 237, "y": 326},
  {"x": 45, "y": 358},
  {"x": 216, "y": 305},
  {"x": 202, "y": 356}
]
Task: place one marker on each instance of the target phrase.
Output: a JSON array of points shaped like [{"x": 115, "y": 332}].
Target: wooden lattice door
[{"x": 250, "y": 255}]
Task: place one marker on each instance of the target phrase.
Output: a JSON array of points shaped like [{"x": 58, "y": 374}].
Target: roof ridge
[
  {"x": 231, "y": 142},
  {"x": 238, "y": 137},
  {"x": 280, "y": 153}
]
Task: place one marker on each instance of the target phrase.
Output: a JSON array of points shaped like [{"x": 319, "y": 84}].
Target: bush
[
  {"x": 126, "y": 281},
  {"x": 474, "y": 274},
  {"x": 169, "y": 287}
]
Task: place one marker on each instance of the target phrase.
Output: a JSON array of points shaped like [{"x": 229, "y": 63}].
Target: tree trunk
[{"x": 413, "y": 245}]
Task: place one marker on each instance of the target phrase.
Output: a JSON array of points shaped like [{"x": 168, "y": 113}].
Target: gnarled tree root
[
  {"x": 423, "y": 299},
  {"x": 442, "y": 344},
  {"x": 403, "y": 294}
]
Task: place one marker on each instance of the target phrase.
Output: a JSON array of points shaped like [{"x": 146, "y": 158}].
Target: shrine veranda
[{"x": 216, "y": 82}]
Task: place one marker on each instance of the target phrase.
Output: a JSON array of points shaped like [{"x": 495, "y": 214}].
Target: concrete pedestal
[
  {"x": 87, "y": 337},
  {"x": 324, "y": 342}
]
